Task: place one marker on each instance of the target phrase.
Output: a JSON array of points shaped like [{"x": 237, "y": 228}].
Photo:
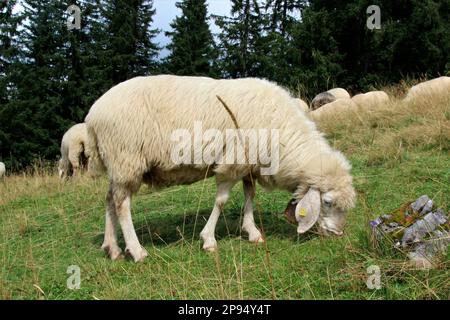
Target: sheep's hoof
[
  {"x": 138, "y": 254},
  {"x": 114, "y": 252},
  {"x": 210, "y": 249},
  {"x": 255, "y": 236},
  {"x": 257, "y": 239},
  {"x": 210, "y": 245}
]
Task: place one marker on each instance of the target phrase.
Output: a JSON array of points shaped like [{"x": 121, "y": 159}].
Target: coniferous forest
[{"x": 50, "y": 74}]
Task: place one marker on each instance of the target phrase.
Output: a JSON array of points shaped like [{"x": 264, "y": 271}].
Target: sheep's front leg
[
  {"x": 248, "y": 224},
  {"x": 122, "y": 203},
  {"x": 110, "y": 240},
  {"x": 207, "y": 234}
]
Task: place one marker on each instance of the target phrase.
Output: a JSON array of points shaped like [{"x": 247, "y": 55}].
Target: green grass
[
  {"x": 46, "y": 232},
  {"x": 397, "y": 155}
]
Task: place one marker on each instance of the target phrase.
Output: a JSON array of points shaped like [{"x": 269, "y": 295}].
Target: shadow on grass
[{"x": 170, "y": 229}]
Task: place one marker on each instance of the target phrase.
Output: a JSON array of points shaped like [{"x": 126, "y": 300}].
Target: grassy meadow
[{"x": 398, "y": 153}]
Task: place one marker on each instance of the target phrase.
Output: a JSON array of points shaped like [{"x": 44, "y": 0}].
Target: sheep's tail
[{"x": 96, "y": 165}]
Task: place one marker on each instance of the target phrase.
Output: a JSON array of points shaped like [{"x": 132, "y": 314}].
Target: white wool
[
  {"x": 339, "y": 93},
  {"x": 429, "y": 89},
  {"x": 302, "y": 104},
  {"x": 371, "y": 100},
  {"x": 336, "y": 109},
  {"x": 2, "y": 170}
]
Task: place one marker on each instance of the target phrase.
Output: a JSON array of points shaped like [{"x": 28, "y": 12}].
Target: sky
[{"x": 166, "y": 12}]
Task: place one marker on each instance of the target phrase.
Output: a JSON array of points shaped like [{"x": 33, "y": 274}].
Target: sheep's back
[
  {"x": 134, "y": 121},
  {"x": 438, "y": 87},
  {"x": 339, "y": 93}
]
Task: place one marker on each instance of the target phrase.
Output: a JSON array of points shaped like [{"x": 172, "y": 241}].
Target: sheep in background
[
  {"x": 74, "y": 151},
  {"x": 130, "y": 129},
  {"x": 371, "y": 99},
  {"x": 329, "y": 96},
  {"x": 322, "y": 99},
  {"x": 2, "y": 170},
  {"x": 339, "y": 93},
  {"x": 302, "y": 104},
  {"x": 335, "y": 109},
  {"x": 429, "y": 89}
]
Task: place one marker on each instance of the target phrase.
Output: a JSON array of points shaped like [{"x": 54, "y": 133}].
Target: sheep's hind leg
[
  {"x": 74, "y": 159},
  {"x": 207, "y": 234},
  {"x": 248, "y": 224},
  {"x": 110, "y": 240},
  {"x": 122, "y": 201}
]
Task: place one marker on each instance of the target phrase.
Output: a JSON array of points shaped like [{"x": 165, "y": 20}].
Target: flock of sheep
[
  {"x": 337, "y": 101},
  {"x": 127, "y": 134}
]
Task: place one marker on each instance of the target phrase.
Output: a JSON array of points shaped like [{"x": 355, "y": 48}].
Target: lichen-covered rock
[{"x": 417, "y": 227}]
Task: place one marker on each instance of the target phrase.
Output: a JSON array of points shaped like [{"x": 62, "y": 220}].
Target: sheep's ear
[{"x": 307, "y": 210}]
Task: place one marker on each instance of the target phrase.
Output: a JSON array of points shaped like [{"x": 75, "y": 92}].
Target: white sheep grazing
[
  {"x": 74, "y": 151},
  {"x": 302, "y": 104},
  {"x": 371, "y": 100},
  {"x": 438, "y": 87},
  {"x": 2, "y": 170},
  {"x": 339, "y": 93},
  {"x": 336, "y": 109},
  {"x": 131, "y": 130}
]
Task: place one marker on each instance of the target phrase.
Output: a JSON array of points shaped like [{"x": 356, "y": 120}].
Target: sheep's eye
[{"x": 327, "y": 203}]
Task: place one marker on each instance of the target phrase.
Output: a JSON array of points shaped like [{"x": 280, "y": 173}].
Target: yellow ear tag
[{"x": 302, "y": 212}]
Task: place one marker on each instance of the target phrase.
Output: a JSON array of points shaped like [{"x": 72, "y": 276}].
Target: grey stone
[
  {"x": 419, "y": 203},
  {"x": 429, "y": 248},
  {"x": 427, "y": 207},
  {"x": 422, "y": 227}
]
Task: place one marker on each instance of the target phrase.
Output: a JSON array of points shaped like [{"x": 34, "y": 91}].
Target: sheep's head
[
  {"x": 322, "y": 99},
  {"x": 61, "y": 169},
  {"x": 64, "y": 170},
  {"x": 327, "y": 210}
]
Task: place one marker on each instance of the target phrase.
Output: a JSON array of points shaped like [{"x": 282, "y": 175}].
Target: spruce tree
[
  {"x": 9, "y": 52},
  {"x": 130, "y": 49},
  {"x": 282, "y": 16},
  {"x": 38, "y": 110},
  {"x": 281, "y": 19},
  {"x": 192, "y": 49},
  {"x": 9, "y": 58},
  {"x": 242, "y": 42},
  {"x": 414, "y": 40},
  {"x": 314, "y": 53}
]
